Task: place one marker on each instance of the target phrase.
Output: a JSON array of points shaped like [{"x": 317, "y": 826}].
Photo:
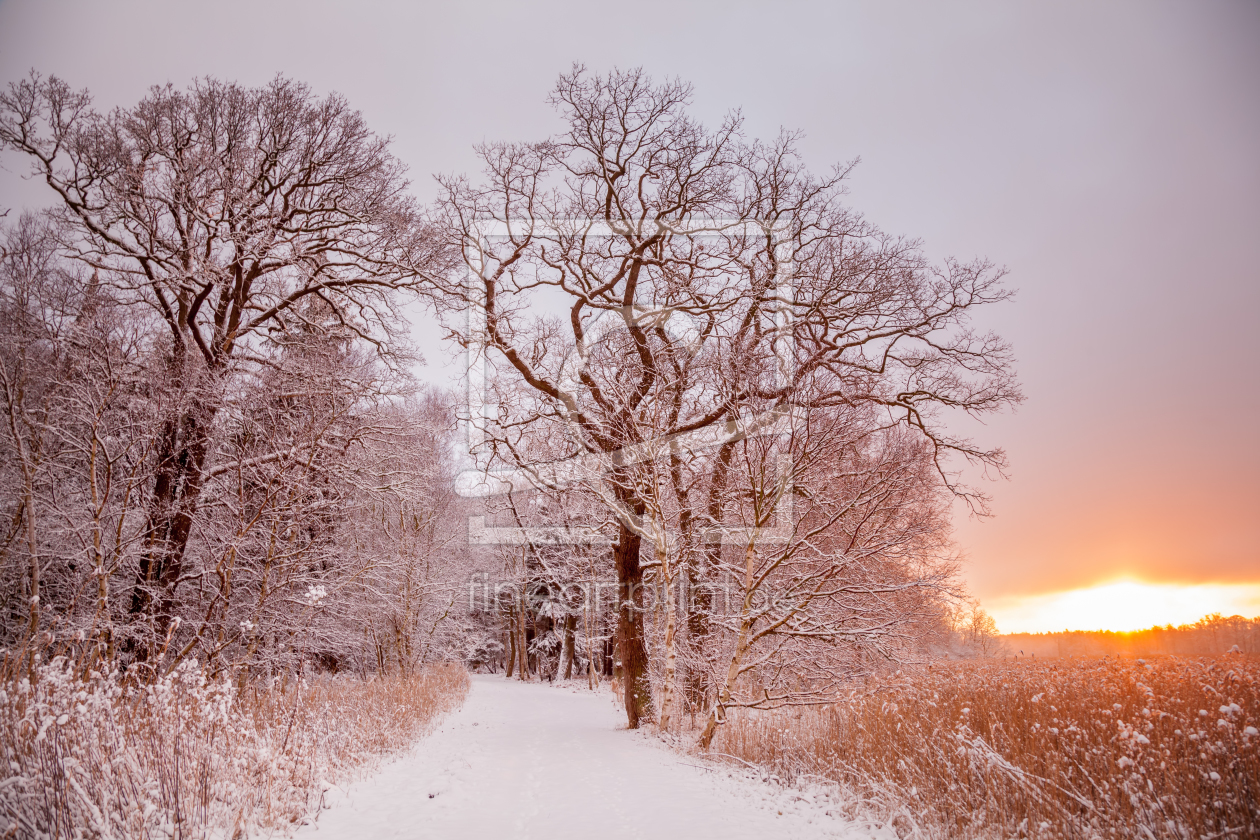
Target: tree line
[
  {"x": 1211, "y": 635},
  {"x": 696, "y": 377}
]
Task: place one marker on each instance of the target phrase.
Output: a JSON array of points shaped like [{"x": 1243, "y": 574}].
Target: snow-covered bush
[{"x": 97, "y": 756}]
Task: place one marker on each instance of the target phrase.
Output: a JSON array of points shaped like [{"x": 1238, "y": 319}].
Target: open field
[
  {"x": 97, "y": 757},
  {"x": 1161, "y": 748}
]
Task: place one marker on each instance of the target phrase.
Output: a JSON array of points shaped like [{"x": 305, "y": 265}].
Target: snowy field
[{"x": 524, "y": 760}]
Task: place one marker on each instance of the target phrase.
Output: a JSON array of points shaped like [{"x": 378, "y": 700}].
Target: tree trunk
[
  {"x": 592, "y": 674},
  {"x": 717, "y": 715},
  {"x": 102, "y": 634},
  {"x": 14, "y": 397},
  {"x": 633, "y": 652},
  {"x": 566, "y": 647},
  {"x": 671, "y": 649},
  {"x": 32, "y": 547},
  {"x": 698, "y": 682},
  {"x": 697, "y": 602},
  {"x": 181, "y": 457},
  {"x": 522, "y": 639},
  {"x": 511, "y": 646}
]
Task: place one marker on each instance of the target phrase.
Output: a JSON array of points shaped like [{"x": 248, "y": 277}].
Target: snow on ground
[{"x": 524, "y": 760}]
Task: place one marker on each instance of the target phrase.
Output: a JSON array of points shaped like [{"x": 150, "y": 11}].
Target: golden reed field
[{"x": 1164, "y": 747}]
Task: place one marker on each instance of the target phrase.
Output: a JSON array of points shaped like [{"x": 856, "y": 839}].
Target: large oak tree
[
  {"x": 696, "y": 280},
  {"x": 223, "y": 212}
]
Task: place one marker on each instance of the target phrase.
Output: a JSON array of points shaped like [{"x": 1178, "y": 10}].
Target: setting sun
[{"x": 1123, "y": 606}]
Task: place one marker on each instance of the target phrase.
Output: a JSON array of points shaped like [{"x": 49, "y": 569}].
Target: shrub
[{"x": 94, "y": 756}]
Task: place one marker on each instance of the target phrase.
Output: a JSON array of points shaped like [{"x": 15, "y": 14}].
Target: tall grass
[
  {"x": 90, "y": 756},
  {"x": 1164, "y": 748}
]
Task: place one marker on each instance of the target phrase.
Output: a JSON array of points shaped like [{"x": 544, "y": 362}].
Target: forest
[{"x": 692, "y": 371}]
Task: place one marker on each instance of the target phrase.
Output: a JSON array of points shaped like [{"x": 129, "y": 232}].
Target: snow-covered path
[{"x": 522, "y": 760}]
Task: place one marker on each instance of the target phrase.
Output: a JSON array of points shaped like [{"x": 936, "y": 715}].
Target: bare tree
[
  {"x": 72, "y": 371},
  {"x": 839, "y": 554},
  {"x": 27, "y": 392},
  {"x": 419, "y": 576},
  {"x": 221, "y": 211},
  {"x": 698, "y": 280},
  {"x": 975, "y": 630}
]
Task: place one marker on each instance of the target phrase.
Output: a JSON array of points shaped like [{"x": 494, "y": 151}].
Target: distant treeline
[{"x": 1213, "y": 634}]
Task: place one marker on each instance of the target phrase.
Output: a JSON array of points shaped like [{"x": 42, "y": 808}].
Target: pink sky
[{"x": 1105, "y": 153}]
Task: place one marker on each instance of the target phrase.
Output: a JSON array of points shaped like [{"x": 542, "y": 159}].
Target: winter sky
[{"x": 1107, "y": 153}]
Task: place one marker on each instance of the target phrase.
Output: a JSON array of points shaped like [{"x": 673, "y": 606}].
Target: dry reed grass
[
  {"x": 1162, "y": 748},
  {"x": 93, "y": 757}
]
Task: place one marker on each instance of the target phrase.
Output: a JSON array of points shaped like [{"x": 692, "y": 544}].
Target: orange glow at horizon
[{"x": 1123, "y": 605}]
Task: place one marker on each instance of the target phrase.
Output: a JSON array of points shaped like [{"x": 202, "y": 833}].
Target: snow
[{"x": 524, "y": 760}]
